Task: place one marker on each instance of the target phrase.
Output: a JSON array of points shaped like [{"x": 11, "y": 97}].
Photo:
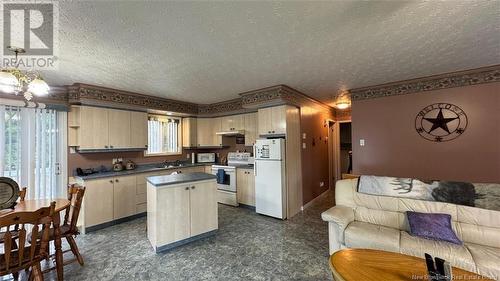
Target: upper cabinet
[
  {"x": 189, "y": 132},
  {"x": 95, "y": 128},
  {"x": 232, "y": 123},
  {"x": 216, "y": 126},
  {"x": 250, "y": 121},
  {"x": 272, "y": 120}
]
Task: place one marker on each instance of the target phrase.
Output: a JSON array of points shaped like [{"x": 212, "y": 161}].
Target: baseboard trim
[
  {"x": 114, "y": 222},
  {"x": 308, "y": 204},
  {"x": 185, "y": 241}
]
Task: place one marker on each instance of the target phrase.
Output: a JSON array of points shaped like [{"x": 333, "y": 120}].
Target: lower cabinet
[
  {"x": 124, "y": 195},
  {"x": 245, "y": 186},
  {"x": 180, "y": 211},
  {"x": 98, "y": 201}
]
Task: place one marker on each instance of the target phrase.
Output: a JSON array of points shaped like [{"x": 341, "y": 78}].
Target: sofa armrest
[{"x": 340, "y": 215}]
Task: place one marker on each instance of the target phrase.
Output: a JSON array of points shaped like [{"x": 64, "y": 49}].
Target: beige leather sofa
[{"x": 379, "y": 222}]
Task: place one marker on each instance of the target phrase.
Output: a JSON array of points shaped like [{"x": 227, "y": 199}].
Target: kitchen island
[{"x": 180, "y": 209}]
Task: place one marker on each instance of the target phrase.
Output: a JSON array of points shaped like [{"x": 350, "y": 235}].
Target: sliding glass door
[{"x": 33, "y": 149}]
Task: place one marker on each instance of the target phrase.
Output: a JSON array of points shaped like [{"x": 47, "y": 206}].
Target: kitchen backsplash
[{"x": 96, "y": 160}]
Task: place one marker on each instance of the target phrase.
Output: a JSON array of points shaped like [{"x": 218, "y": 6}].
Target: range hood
[{"x": 231, "y": 133}]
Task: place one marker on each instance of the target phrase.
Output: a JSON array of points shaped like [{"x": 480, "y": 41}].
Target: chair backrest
[
  {"x": 75, "y": 195},
  {"x": 17, "y": 253},
  {"x": 22, "y": 193}
]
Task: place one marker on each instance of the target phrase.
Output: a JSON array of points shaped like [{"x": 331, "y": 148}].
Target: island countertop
[{"x": 179, "y": 178}]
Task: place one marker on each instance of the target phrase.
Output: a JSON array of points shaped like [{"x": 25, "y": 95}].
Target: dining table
[{"x": 35, "y": 204}]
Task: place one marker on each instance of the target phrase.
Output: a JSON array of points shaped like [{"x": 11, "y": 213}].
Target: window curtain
[
  {"x": 163, "y": 135},
  {"x": 33, "y": 150}
]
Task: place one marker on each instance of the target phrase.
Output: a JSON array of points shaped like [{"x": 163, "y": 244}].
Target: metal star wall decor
[{"x": 441, "y": 122}]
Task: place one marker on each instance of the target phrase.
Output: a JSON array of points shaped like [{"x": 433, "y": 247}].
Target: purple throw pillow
[{"x": 432, "y": 226}]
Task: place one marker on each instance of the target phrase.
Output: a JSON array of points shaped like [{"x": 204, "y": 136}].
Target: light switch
[
  {"x": 303, "y": 136},
  {"x": 361, "y": 142},
  {"x": 304, "y": 145}
]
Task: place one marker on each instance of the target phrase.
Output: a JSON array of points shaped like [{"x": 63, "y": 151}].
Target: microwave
[{"x": 205, "y": 157}]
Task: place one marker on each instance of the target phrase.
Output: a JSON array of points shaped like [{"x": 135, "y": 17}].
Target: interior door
[{"x": 203, "y": 206}]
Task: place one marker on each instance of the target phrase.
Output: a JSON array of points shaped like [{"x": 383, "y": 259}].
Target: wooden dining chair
[
  {"x": 22, "y": 256},
  {"x": 69, "y": 229},
  {"x": 22, "y": 195}
]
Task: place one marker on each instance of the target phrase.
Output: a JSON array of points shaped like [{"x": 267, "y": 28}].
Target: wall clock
[
  {"x": 441, "y": 122},
  {"x": 9, "y": 193}
]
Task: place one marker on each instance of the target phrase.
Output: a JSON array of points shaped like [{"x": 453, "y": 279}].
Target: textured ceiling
[{"x": 208, "y": 52}]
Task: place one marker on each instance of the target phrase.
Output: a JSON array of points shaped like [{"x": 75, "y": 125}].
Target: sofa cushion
[
  {"x": 457, "y": 255},
  {"x": 487, "y": 260},
  {"x": 370, "y": 236}
]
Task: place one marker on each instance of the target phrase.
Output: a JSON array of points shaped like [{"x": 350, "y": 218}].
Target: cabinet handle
[
  {"x": 111, "y": 181},
  {"x": 116, "y": 180},
  {"x": 111, "y": 146},
  {"x": 105, "y": 146},
  {"x": 193, "y": 187},
  {"x": 187, "y": 188}
]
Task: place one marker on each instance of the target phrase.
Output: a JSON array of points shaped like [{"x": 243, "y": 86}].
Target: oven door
[{"x": 229, "y": 182}]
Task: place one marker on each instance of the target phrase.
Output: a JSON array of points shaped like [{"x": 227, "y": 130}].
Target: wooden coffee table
[{"x": 374, "y": 265}]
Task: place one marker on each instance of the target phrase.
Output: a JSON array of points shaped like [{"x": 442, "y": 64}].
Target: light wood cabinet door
[
  {"x": 203, "y": 206},
  {"x": 250, "y": 121},
  {"x": 245, "y": 187},
  {"x": 216, "y": 127},
  {"x": 226, "y": 123},
  {"x": 94, "y": 128},
  {"x": 119, "y": 128},
  {"x": 204, "y": 132},
  {"x": 124, "y": 197},
  {"x": 265, "y": 121},
  {"x": 279, "y": 119},
  {"x": 232, "y": 123},
  {"x": 172, "y": 219},
  {"x": 138, "y": 129},
  {"x": 98, "y": 201},
  {"x": 189, "y": 132}
]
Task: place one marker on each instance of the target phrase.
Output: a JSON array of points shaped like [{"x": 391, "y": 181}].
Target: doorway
[{"x": 345, "y": 148}]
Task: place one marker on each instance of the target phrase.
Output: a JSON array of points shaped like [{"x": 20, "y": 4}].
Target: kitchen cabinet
[
  {"x": 98, "y": 201},
  {"x": 119, "y": 128},
  {"x": 138, "y": 129},
  {"x": 124, "y": 197},
  {"x": 232, "y": 123},
  {"x": 189, "y": 132},
  {"x": 216, "y": 124},
  {"x": 203, "y": 207},
  {"x": 177, "y": 212},
  {"x": 95, "y": 128},
  {"x": 245, "y": 186},
  {"x": 250, "y": 125},
  {"x": 205, "y": 132},
  {"x": 272, "y": 120}
]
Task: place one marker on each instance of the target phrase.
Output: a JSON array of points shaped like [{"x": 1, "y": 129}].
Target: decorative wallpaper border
[
  {"x": 82, "y": 93},
  {"x": 219, "y": 108},
  {"x": 449, "y": 80}
]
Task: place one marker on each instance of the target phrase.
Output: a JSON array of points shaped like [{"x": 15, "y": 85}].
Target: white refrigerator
[{"x": 270, "y": 180}]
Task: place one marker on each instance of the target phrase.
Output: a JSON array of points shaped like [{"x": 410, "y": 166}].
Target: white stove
[{"x": 226, "y": 180}]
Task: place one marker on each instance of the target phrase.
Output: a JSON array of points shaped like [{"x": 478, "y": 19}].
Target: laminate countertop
[
  {"x": 140, "y": 169},
  {"x": 158, "y": 181}
]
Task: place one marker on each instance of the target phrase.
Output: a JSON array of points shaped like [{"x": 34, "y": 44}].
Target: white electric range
[{"x": 226, "y": 187}]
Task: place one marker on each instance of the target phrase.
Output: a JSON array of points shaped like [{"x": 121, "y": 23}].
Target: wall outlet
[
  {"x": 361, "y": 142},
  {"x": 304, "y": 145}
]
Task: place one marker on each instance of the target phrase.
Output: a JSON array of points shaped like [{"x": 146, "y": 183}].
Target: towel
[{"x": 221, "y": 176}]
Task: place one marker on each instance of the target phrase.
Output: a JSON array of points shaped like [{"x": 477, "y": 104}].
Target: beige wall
[{"x": 394, "y": 148}]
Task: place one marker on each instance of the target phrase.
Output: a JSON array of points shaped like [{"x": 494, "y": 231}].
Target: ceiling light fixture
[
  {"x": 342, "y": 100},
  {"x": 15, "y": 81}
]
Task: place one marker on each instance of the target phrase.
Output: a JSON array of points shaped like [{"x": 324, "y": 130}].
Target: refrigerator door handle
[{"x": 255, "y": 168}]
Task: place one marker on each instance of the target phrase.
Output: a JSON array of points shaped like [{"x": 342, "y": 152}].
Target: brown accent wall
[
  {"x": 315, "y": 155},
  {"x": 393, "y": 147}
]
